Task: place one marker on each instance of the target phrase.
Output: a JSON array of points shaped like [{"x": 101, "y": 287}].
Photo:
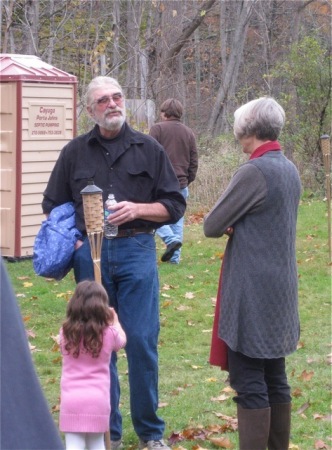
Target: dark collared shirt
[{"x": 132, "y": 166}]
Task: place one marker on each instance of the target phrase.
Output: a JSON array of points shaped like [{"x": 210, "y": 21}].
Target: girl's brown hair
[{"x": 88, "y": 314}]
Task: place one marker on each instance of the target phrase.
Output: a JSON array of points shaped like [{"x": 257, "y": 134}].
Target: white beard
[{"x": 111, "y": 123}]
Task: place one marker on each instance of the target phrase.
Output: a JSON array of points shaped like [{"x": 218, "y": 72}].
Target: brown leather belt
[{"x": 133, "y": 231}]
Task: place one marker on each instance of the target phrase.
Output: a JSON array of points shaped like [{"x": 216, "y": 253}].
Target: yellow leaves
[
  {"x": 27, "y": 284},
  {"x": 211, "y": 380},
  {"x": 65, "y": 295}
]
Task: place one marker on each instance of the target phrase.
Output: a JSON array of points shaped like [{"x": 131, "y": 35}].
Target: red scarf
[{"x": 267, "y": 147}]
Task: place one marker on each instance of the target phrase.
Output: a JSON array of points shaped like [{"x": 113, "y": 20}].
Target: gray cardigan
[{"x": 259, "y": 305}]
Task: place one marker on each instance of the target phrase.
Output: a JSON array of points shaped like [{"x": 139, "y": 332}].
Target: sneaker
[
  {"x": 116, "y": 444},
  {"x": 171, "y": 248},
  {"x": 157, "y": 444}
]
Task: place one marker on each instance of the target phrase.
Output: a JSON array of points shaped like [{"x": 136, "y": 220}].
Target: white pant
[{"x": 83, "y": 441}]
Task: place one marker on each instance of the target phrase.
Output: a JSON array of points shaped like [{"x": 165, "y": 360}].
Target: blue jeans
[
  {"x": 130, "y": 276},
  {"x": 174, "y": 232}
]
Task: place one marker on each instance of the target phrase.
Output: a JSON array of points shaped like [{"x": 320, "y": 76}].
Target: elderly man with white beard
[{"x": 136, "y": 169}]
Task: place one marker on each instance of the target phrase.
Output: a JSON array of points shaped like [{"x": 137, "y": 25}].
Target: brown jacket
[{"x": 179, "y": 143}]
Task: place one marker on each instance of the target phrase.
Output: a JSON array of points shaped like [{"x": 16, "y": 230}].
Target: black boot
[
  {"x": 253, "y": 427},
  {"x": 280, "y": 426}
]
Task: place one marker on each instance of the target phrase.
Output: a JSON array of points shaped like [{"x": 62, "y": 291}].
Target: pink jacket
[{"x": 85, "y": 387}]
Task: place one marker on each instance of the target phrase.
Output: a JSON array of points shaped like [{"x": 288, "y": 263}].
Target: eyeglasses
[{"x": 105, "y": 100}]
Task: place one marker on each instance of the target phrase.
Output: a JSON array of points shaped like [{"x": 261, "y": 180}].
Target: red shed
[{"x": 38, "y": 117}]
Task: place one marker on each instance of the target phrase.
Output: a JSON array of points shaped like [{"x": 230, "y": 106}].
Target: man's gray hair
[
  {"x": 99, "y": 82},
  {"x": 263, "y": 118}
]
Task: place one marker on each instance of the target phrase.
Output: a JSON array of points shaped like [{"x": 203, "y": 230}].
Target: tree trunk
[
  {"x": 30, "y": 27},
  {"x": 230, "y": 71}
]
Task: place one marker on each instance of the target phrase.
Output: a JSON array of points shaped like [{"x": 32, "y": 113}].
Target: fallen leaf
[
  {"x": 55, "y": 408},
  {"x": 228, "y": 389},
  {"x": 162, "y": 404},
  {"x": 175, "y": 437},
  {"x": 27, "y": 284},
  {"x": 221, "y": 398},
  {"x": 189, "y": 295},
  {"x": 222, "y": 442},
  {"x": 31, "y": 334},
  {"x": 57, "y": 360},
  {"x": 166, "y": 287},
  {"x": 32, "y": 347},
  {"x": 306, "y": 376},
  {"x": 303, "y": 408},
  {"x": 183, "y": 308},
  {"x": 320, "y": 444},
  {"x": 297, "y": 392},
  {"x": 167, "y": 304}
]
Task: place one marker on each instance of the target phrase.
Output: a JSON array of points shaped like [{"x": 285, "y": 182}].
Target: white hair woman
[{"x": 258, "y": 316}]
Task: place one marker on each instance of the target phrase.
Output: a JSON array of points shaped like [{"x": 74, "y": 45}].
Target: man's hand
[{"x": 124, "y": 212}]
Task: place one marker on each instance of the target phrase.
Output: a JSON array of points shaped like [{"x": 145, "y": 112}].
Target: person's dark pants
[
  {"x": 258, "y": 382},
  {"x": 263, "y": 401}
]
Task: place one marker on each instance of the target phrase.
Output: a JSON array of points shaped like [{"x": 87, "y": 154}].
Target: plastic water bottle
[{"x": 110, "y": 231}]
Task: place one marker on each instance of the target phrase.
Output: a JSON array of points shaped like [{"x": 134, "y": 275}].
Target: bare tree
[
  {"x": 30, "y": 27},
  {"x": 7, "y": 7}
]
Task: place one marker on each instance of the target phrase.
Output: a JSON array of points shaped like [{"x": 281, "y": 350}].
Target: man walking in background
[{"x": 180, "y": 144}]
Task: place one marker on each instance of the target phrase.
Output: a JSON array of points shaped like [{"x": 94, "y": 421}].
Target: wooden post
[{"x": 326, "y": 150}]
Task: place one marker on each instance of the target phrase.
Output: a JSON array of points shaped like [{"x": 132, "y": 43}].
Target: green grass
[{"x": 189, "y": 386}]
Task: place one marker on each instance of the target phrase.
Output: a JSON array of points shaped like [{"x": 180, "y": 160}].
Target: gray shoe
[
  {"x": 157, "y": 444},
  {"x": 116, "y": 444}
]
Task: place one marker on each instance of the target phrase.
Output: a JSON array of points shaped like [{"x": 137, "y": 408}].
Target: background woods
[{"x": 211, "y": 54}]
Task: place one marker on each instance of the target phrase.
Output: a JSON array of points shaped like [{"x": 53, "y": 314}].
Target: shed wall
[
  {"x": 48, "y": 123},
  {"x": 8, "y": 172}
]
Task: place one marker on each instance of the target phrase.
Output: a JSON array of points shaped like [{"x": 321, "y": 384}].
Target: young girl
[{"x": 87, "y": 338}]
